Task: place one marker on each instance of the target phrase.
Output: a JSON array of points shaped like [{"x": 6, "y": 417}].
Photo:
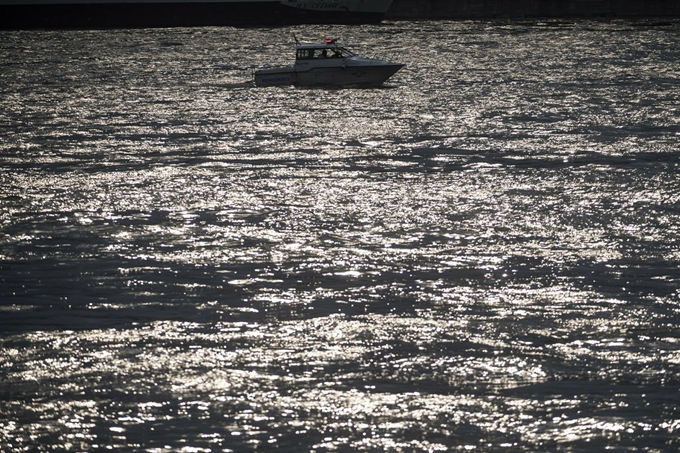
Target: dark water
[{"x": 482, "y": 257}]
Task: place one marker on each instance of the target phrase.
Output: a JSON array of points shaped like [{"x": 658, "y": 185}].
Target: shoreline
[{"x": 528, "y": 9}]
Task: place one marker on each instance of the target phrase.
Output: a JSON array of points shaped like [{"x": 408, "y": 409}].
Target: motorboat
[{"x": 328, "y": 64}]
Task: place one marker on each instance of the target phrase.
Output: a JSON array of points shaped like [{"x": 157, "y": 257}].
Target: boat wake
[{"x": 237, "y": 85}]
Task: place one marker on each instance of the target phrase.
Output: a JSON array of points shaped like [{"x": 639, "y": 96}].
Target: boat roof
[{"x": 327, "y": 44}]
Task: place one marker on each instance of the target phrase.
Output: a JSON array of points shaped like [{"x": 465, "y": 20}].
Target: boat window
[
  {"x": 340, "y": 52},
  {"x": 328, "y": 52},
  {"x": 304, "y": 54},
  {"x": 334, "y": 52}
]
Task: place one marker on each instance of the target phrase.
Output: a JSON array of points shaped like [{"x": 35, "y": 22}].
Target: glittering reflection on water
[
  {"x": 366, "y": 382},
  {"x": 481, "y": 257}
]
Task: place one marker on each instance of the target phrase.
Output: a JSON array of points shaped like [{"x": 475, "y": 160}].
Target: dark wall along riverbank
[{"x": 480, "y": 9}]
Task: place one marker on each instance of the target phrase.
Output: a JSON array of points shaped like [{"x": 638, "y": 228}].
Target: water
[{"x": 482, "y": 256}]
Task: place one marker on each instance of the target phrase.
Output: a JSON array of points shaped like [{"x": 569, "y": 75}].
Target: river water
[{"x": 482, "y": 256}]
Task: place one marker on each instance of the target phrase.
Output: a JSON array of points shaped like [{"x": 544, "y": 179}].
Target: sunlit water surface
[{"x": 481, "y": 257}]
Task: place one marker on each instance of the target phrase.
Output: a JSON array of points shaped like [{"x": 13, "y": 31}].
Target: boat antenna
[{"x": 296, "y": 40}]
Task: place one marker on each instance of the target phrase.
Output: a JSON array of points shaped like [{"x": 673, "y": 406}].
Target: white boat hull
[
  {"x": 348, "y": 76},
  {"x": 361, "y": 76},
  {"x": 275, "y": 77}
]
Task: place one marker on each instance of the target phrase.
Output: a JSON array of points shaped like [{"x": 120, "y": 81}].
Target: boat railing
[{"x": 380, "y": 58}]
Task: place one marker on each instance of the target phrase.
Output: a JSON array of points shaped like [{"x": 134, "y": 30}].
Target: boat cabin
[
  {"x": 327, "y": 64},
  {"x": 329, "y": 49}
]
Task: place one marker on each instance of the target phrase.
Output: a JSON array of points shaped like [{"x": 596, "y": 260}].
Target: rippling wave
[{"x": 481, "y": 256}]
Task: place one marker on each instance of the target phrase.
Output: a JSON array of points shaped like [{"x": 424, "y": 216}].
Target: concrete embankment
[{"x": 481, "y": 9}]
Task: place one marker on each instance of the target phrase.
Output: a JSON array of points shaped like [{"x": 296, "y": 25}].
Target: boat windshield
[{"x": 323, "y": 52}]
